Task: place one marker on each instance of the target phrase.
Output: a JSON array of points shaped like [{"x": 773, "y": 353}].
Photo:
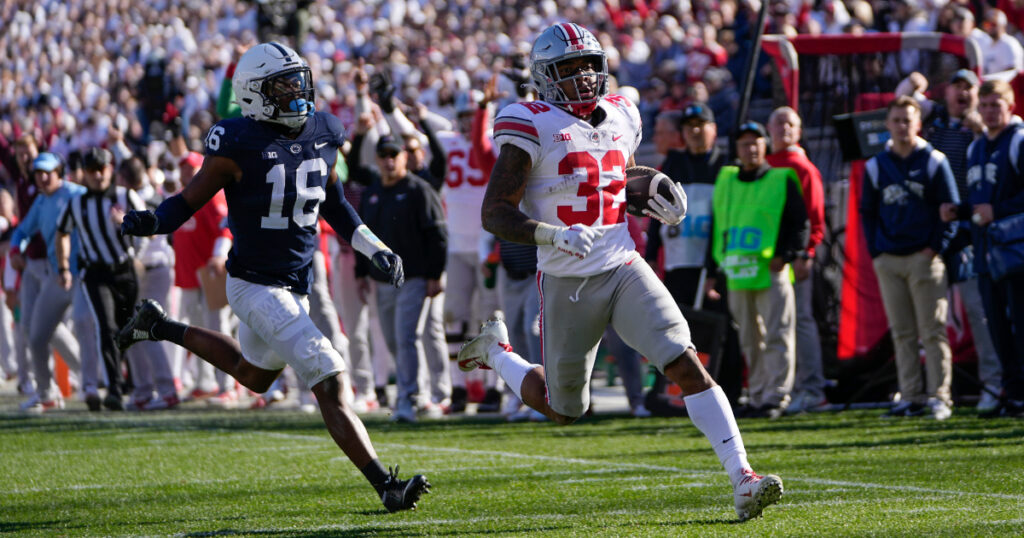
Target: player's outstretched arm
[
  {"x": 346, "y": 222},
  {"x": 216, "y": 173}
]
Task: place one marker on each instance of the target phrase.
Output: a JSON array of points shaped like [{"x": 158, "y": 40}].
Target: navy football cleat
[
  {"x": 147, "y": 313},
  {"x": 402, "y": 494}
]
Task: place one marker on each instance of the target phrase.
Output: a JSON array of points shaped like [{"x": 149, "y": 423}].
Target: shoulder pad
[
  {"x": 226, "y": 135},
  {"x": 332, "y": 124}
]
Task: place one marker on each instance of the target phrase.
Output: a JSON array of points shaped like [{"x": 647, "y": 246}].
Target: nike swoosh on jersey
[
  {"x": 616, "y": 138},
  {"x": 320, "y": 145}
]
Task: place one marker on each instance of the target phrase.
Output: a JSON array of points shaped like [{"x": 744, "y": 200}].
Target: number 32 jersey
[
  {"x": 577, "y": 177},
  {"x": 273, "y": 210}
]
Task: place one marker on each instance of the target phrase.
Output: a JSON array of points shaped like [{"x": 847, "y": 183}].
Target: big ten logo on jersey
[
  {"x": 742, "y": 238},
  {"x": 460, "y": 171},
  {"x": 599, "y": 199},
  {"x": 696, "y": 227}
]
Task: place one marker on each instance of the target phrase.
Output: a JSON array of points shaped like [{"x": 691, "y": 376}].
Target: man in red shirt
[{"x": 784, "y": 126}]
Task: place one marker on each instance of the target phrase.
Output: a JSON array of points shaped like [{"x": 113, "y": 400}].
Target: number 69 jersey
[
  {"x": 577, "y": 177},
  {"x": 273, "y": 210}
]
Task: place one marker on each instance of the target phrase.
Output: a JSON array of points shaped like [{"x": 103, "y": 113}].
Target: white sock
[
  {"x": 511, "y": 367},
  {"x": 712, "y": 415}
]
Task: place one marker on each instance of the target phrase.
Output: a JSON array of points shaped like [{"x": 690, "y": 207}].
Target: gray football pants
[
  {"x": 150, "y": 361},
  {"x": 7, "y": 350},
  {"x": 435, "y": 370},
  {"x": 400, "y": 312},
  {"x": 46, "y": 303}
]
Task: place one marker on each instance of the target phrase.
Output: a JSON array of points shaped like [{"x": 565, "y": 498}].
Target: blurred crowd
[
  {"x": 76, "y": 73},
  {"x": 148, "y": 79}
]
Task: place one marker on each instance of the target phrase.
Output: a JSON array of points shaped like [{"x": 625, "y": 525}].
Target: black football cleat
[
  {"x": 147, "y": 313},
  {"x": 400, "y": 495}
]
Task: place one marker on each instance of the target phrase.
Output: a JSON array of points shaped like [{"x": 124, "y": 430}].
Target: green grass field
[{"x": 220, "y": 473}]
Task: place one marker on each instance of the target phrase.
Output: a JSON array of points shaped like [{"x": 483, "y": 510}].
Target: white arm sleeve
[
  {"x": 400, "y": 124},
  {"x": 366, "y": 242}
]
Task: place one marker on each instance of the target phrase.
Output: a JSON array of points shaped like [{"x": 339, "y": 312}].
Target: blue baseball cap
[
  {"x": 698, "y": 111},
  {"x": 47, "y": 162}
]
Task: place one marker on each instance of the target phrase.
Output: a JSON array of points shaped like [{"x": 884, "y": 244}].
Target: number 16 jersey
[
  {"x": 577, "y": 177},
  {"x": 273, "y": 210}
]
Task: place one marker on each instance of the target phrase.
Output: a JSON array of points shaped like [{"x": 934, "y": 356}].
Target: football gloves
[
  {"x": 139, "y": 223},
  {"x": 576, "y": 240},
  {"x": 390, "y": 264},
  {"x": 668, "y": 213}
]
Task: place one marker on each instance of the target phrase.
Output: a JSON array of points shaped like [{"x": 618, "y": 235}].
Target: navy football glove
[
  {"x": 390, "y": 264},
  {"x": 139, "y": 223}
]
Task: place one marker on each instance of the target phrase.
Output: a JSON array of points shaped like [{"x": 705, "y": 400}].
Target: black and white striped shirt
[{"x": 100, "y": 237}]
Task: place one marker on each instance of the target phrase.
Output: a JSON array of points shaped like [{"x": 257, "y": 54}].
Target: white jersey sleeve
[
  {"x": 514, "y": 125},
  {"x": 578, "y": 177},
  {"x": 625, "y": 106}
]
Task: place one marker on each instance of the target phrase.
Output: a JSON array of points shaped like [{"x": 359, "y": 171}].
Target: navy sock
[
  {"x": 170, "y": 330},
  {"x": 376, "y": 474}
]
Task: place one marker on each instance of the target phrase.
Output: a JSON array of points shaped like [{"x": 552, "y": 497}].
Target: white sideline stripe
[
  {"x": 556, "y": 459},
  {"x": 627, "y": 465},
  {"x": 644, "y": 487}
]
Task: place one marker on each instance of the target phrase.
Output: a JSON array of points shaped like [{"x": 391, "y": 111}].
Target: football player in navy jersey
[{"x": 276, "y": 166}]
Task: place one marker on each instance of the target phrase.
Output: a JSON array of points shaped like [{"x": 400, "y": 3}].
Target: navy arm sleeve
[
  {"x": 339, "y": 213},
  {"x": 172, "y": 213}
]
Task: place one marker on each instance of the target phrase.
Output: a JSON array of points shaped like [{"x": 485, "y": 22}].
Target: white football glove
[
  {"x": 668, "y": 213},
  {"x": 576, "y": 240}
]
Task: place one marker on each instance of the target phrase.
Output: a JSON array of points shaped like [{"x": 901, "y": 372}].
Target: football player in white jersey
[{"x": 558, "y": 183}]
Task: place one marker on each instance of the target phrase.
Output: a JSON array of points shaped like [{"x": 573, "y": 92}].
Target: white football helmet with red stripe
[{"x": 561, "y": 42}]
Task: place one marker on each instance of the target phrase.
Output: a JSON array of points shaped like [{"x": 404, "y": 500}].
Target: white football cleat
[
  {"x": 473, "y": 355},
  {"x": 754, "y": 493}
]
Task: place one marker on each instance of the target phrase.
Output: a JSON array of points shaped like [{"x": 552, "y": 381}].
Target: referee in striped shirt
[{"x": 107, "y": 258}]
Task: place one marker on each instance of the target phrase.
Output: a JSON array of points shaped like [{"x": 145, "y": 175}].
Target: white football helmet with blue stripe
[{"x": 273, "y": 83}]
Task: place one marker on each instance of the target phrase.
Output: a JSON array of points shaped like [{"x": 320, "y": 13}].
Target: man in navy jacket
[
  {"x": 904, "y": 186},
  {"x": 995, "y": 189}
]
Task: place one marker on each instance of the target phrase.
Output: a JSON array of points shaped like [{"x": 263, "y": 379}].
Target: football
[{"x": 642, "y": 183}]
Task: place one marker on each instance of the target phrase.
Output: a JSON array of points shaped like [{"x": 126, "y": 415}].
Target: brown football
[{"x": 642, "y": 183}]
